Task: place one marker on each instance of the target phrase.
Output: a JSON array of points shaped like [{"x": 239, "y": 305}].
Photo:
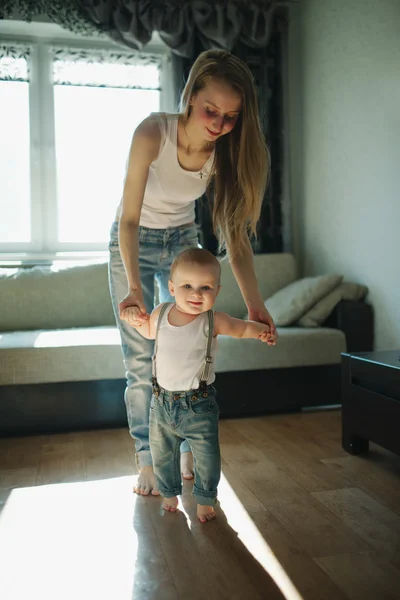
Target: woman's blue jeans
[{"x": 157, "y": 250}]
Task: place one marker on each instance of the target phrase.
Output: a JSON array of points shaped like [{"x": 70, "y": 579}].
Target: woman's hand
[
  {"x": 135, "y": 318},
  {"x": 261, "y": 315}
]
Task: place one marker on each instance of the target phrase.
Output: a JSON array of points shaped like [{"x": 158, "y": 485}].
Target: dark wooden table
[{"x": 371, "y": 400}]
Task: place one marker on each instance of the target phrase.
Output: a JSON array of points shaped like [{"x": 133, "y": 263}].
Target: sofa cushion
[
  {"x": 55, "y": 298},
  {"x": 322, "y": 309},
  {"x": 60, "y": 355},
  {"x": 94, "y": 353},
  {"x": 296, "y": 347},
  {"x": 273, "y": 272},
  {"x": 294, "y": 300}
]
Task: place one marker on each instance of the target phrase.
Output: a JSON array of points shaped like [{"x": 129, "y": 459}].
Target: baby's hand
[
  {"x": 267, "y": 337},
  {"x": 134, "y": 316}
]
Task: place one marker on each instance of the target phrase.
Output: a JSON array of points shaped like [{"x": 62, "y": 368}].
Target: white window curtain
[
  {"x": 103, "y": 68},
  {"x": 14, "y": 62}
]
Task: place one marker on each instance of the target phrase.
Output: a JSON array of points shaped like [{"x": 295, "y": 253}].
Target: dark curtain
[
  {"x": 180, "y": 23},
  {"x": 266, "y": 66},
  {"x": 253, "y": 30}
]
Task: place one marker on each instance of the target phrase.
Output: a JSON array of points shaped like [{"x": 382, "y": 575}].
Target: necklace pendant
[{"x": 201, "y": 175}]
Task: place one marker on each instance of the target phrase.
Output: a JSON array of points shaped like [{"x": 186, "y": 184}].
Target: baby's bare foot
[
  {"x": 187, "y": 465},
  {"x": 205, "y": 513},
  {"x": 170, "y": 504},
  {"x": 146, "y": 483}
]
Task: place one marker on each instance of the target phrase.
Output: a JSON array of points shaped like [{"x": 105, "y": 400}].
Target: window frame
[{"x": 44, "y": 246}]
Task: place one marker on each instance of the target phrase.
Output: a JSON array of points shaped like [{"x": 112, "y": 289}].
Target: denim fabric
[
  {"x": 193, "y": 416},
  {"x": 157, "y": 250}
]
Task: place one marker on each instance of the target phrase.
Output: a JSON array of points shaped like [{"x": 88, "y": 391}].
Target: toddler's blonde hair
[{"x": 197, "y": 257}]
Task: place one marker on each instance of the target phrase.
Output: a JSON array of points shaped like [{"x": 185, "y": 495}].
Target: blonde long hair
[{"x": 242, "y": 161}]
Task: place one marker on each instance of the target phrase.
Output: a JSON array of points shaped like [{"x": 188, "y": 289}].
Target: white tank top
[
  {"x": 170, "y": 190},
  {"x": 181, "y": 353}
]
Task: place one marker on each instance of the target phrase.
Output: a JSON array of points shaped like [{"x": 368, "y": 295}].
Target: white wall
[{"x": 344, "y": 79}]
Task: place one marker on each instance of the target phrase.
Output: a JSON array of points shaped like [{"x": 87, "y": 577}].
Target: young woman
[{"x": 215, "y": 139}]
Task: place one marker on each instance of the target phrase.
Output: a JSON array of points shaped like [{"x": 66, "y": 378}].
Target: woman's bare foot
[
  {"x": 187, "y": 467},
  {"x": 170, "y": 504},
  {"x": 146, "y": 483},
  {"x": 205, "y": 513}
]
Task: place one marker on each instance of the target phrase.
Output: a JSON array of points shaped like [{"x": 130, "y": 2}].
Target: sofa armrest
[{"x": 356, "y": 320}]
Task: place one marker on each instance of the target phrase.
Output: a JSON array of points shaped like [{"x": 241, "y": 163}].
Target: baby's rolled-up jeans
[{"x": 193, "y": 416}]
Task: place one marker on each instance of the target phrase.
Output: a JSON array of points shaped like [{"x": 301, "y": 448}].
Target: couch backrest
[
  {"x": 273, "y": 271},
  {"x": 49, "y": 298}
]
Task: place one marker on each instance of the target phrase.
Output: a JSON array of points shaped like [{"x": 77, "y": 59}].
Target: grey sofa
[{"x": 61, "y": 365}]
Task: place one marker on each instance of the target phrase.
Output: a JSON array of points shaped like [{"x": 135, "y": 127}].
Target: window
[
  {"x": 15, "y": 199},
  {"x": 67, "y": 118}
]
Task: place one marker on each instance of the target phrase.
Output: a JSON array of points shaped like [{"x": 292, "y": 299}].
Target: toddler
[{"x": 183, "y": 405}]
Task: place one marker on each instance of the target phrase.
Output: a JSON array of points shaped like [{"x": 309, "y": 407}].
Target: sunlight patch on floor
[
  {"x": 79, "y": 540},
  {"x": 72, "y": 540},
  {"x": 239, "y": 519}
]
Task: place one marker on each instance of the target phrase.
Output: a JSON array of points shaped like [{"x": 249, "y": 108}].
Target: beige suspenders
[
  {"x": 207, "y": 363},
  {"x": 208, "y": 360}
]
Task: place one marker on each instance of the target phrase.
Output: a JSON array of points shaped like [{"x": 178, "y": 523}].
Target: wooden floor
[{"x": 299, "y": 519}]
